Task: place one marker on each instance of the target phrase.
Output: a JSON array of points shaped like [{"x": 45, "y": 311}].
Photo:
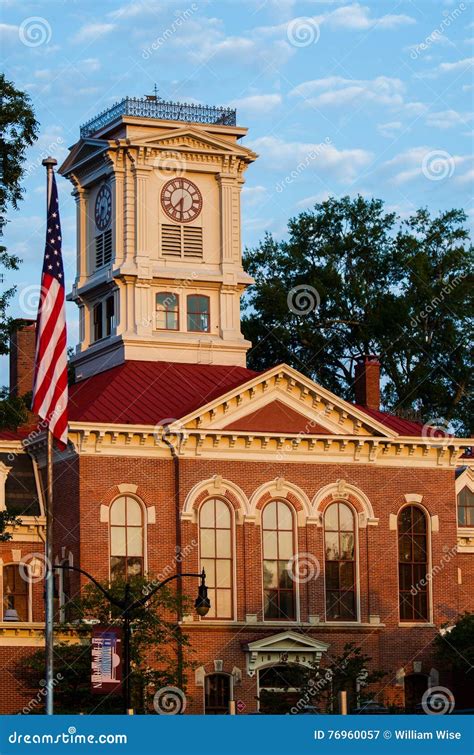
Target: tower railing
[{"x": 165, "y": 110}]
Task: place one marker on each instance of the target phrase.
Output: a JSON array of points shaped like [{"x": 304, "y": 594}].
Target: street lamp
[{"x": 127, "y": 605}]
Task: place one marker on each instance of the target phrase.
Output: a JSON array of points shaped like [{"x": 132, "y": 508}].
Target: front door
[{"x": 217, "y": 689}]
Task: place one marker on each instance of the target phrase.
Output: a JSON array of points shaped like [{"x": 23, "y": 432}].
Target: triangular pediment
[
  {"x": 282, "y": 401},
  {"x": 82, "y": 152},
  {"x": 286, "y": 641},
  {"x": 193, "y": 139}
]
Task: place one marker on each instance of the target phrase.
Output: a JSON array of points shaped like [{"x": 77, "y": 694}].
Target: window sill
[{"x": 416, "y": 625}]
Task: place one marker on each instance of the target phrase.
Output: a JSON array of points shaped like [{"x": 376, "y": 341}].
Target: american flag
[{"x": 50, "y": 383}]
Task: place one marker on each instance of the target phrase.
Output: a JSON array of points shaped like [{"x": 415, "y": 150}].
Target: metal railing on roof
[{"x": 155, "y": 108}]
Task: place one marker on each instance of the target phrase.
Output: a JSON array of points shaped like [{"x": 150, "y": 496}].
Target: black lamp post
[{"x": 127, "y": 605}]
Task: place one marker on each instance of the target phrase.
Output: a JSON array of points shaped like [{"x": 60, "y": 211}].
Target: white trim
[
  {"x": 216, "y": 485},
  {"x": 340, "y": 491}
]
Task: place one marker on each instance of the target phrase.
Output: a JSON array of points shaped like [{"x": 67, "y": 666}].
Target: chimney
[
  {"x": 22, "y": 357},
  {"x": 367, "y": 382}
]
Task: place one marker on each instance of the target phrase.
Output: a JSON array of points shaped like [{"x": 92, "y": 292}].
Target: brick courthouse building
[{"x": 318, "y": 522}]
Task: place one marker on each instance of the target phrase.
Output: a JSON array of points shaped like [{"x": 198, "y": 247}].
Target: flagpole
[{"x": 49, "y": 164}]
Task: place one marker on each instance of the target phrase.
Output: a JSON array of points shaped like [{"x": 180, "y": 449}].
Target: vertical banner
[{"x": 106, "y": 670}]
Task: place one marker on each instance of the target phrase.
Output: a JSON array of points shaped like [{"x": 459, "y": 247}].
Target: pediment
[
  {"x": 83, "y": 151},
  {"x": 193, "y": 139},
  {"x": 284, "y": 402},
  {"x": 287, "y": 641}
]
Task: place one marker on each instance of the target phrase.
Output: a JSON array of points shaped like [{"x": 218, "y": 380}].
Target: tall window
[
  {"x": 109, "y": 315},
  {"x": 15, "y": 592},
  {"x": 466, "y": 508},
  {"x": 98, "y": 329},
  {"x": 412, "y": 564},
  {"x": 278, "y": 550},
  {"x": 340, "y": 562},
  {"x": 126, "y": 538},
  {"x": 215, "y": 543},
  {"x": 198, "y": 313},
  {"x": 167, "y": 311}
]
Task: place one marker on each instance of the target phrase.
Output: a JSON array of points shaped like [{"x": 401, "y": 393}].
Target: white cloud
[
  {"x": 338, "y": 91},
  {"x": 257, "y": 104},
  {"x": 357, "y": 17},
  {"x": 448, "y": 119},
  {"x": 301, "y": 157},
  {"x": 91, "y": 32},
  {"x": 390, "y": 129},
  {"x": 253, "y": 195},
  {"x": 408, "y": 165},
  {"x": 459, "y": 65}
]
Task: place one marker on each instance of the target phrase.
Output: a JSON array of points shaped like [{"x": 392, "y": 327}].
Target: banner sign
[{"x": 106, "y": 672}]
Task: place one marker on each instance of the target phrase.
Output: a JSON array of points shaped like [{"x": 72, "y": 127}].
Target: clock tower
[{"x": 159, "y": 269}]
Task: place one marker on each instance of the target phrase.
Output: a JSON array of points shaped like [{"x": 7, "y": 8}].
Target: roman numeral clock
[{"x": 181, "y": 200}]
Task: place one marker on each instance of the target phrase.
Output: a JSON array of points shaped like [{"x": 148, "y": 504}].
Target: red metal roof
[
  {"x": 146, "y": 393},
  {"x": 401, "y": 426}
]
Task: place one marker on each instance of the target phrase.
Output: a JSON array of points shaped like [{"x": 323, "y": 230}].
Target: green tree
[
  {"x": 154, "y": 650},
  {"x": 353, "y": 279},
  {"x": 18, "y": 131}
]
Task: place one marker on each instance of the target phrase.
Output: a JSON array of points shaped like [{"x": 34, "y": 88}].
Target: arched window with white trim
[
  {"x": 216, "y": 552},
  {"x": 278, "y": 549},
  {"x": 127, "y": 534},
  {"x": 340, "y": 554},
  {"x": 413, "y": 592},
  {"x": 16, "y": 593}
]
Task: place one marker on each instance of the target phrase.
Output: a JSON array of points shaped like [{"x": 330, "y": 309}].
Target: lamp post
[{"x": 127, "y": 605}]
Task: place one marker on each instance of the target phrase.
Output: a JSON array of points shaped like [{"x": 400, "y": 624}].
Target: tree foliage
[
  {"x": 18, "y": 131},
  {"x": 353, "y": 279},
  {"x": 154, "y": 650}
]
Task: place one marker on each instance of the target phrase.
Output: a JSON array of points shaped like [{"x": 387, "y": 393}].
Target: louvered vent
[
  {"x": 171, "y": 240},
  {"x": 192, "y": 241},
  {"x": 181, "y": 241},
  {"x": 103, "y": 248}
]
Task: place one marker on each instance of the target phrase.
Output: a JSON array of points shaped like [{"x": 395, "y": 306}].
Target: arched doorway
[
  {"x": 280, "y": 687},
  {"x": 217, "y": 694},
  {"x": 415, "y": 687}
]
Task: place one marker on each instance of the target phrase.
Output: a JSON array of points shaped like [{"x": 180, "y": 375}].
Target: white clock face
[
  {"x": 103, "y": 207},
  {"x": 181, "y": 200}
]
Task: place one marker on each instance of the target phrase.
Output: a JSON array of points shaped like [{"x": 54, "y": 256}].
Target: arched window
[
  {"x": 167, "y": 311},
  {"x": 198, "y": 313},
  {"x": 278, "y": 550},
  {"x": 466, "y": 507},
  {"x": 340, "y": 563},
  {"x": 412, "y": 564},
  {"x": 126, "y": 538},
  {"x": 215, "y": 543},
  {"x": 15, "y": 591}
]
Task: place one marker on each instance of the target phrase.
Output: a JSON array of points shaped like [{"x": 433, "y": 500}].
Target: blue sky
[{"x": 339, "y": 98}]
